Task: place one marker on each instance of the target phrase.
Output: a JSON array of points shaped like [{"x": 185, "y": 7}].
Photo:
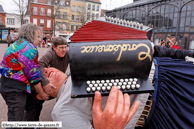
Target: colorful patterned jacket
[{"x": 20, "y": 62}]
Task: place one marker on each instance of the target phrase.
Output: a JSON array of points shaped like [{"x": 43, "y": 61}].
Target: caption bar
[{"x": 30, "y": 124}]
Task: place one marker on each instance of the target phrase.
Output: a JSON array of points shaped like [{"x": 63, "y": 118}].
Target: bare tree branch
[{"x": 21, "y": 8}]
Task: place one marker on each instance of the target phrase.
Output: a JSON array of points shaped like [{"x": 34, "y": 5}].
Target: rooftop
[
  {"x": 1, "y": 9},
  {"x": 140, "y": 2},
  {"x": 96, "y": 1},
  {"x": 103, "y": 12}
]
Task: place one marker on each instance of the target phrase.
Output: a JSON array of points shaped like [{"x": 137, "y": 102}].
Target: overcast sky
[
  {"x": 10, "y": 7},
  {"x": 111, "y": 4}
]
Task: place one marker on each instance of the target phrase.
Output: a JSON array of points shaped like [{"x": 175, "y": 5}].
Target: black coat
[
  {"x": 168, "y": 46},
  {"x": 45, "y": 38},
  {"x": 161, "y": 51}
]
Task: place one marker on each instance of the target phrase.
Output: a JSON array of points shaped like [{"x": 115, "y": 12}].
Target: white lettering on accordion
[{"x": 114, "y": 48}]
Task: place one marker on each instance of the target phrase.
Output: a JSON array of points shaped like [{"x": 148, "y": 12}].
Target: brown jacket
[
  {"x": 9, "y": 38},
  {"x": 50, "y": 59}
]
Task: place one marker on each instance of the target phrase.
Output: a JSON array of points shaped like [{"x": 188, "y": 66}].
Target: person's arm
[
  {"x": 7, "y": 38},
  {"x": 117, "y": 112},
  {"x": 40, "y": 91},
  {"x": 44, "y": 62},
  {"x": 160, "y": 51},
  {"x": 30, "y": 64},
  {"x": 30, "y": 69}
]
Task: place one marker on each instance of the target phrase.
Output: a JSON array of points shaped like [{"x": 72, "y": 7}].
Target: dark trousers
[
  {"x": 8, "y": 44},
  {"x": 23, "y": 106}
]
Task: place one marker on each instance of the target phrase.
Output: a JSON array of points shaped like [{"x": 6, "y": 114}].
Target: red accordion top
[{"x": 104, "y": 31}]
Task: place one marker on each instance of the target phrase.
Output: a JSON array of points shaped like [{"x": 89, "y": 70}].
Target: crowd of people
[
  {"x": 24, "y": 76},
  {"x": 169, "y": 44}
]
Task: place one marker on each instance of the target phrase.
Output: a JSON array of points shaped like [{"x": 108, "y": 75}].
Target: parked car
[
  {"x": 48, "y": 45},
  {"x": 68, "y": 38}
]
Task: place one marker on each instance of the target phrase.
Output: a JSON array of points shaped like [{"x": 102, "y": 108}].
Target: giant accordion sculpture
[{"x": 108, "y": 52}]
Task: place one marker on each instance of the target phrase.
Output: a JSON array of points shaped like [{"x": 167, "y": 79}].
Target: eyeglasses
[{"x": 62, "y": 48}]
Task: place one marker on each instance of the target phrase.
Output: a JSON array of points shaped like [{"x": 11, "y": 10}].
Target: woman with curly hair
[{"x": 20, "y": 74}]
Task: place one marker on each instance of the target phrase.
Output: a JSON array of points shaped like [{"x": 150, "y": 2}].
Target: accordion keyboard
[{"x": 105, "y": 85}]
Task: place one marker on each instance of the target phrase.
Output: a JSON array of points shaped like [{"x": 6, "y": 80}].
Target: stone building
[
  {"x": 170, "y": 19},
  {"x": 93, "y": 9}
]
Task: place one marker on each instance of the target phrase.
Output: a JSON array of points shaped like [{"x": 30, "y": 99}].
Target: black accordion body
[{"x": 108, "y": 52}]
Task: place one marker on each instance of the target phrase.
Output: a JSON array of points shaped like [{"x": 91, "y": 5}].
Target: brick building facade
[{"x": 41, "y": 14}]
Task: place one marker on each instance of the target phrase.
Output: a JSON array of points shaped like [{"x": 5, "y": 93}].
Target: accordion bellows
[
  {"x": 102, "y": 31},
  {"x": 103, "y": 54}
]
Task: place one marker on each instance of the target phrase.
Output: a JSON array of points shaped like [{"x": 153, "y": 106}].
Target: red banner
[{"x": 160, "y": 36}]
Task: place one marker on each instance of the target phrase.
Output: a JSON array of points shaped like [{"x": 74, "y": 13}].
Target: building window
[
  {"x": 97, "y": 9},
  {"x": 65, "y": 15},
  {"x": 57, "y": 14},
  {"x": 77, "y": 27},
  {"x": 72, "y": 17},
  {"x": 72, "y": 27},
  {"x": 56, "y": 1},
  {"x": 191, "y": 45},
  {"x": 41, "y": 22},
  {"x": 77, "y": 18},
  {"x": 57, "y": 25},
  {"x": 83, "y": 9},
  {"x": 35, "y": 21},
  {"x": 82, "y": 19},
  {"x": 64, "y": 26},
  {"x": 48, "y": 23},
  {"x": 73, "y": 8},
  {"x": 35, "y": 10},
  {"x": 92, "y": 16},
  {"x": 136, "y": 15},
  {"x": 41, "y": 11},
  {"x": 67, "y": 3},
  {"x": 78, "y": 9},
  {"x": 48, "y": 12},
  {"x": 93, "y": 7},
  {"x": 0, "y": 18},
  {"x": 163, "y": 18},
  {"x": 62, "y": 2},
  {"x": 88, "y": 16},
  {"x": 35, "y": 1},
  {"x": 186, "y": 22},
  {"x": 49, "y": 2},
  {"x": 89, "y": 6},
  {"x": 10, "y": 20},
  {"x": 25, "y": 21},
  {"x": 97, "y": 16}
]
